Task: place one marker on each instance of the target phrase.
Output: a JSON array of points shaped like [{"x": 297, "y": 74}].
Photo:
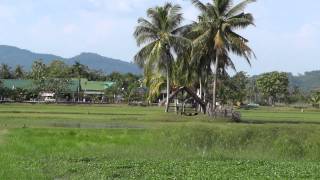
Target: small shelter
[
  {"x": 206, "y": 107},
  {"x": 190, "y": 96}
]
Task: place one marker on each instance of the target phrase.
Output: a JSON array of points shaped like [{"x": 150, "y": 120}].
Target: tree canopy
[
  {"x": 160, "y": 36},
  {"x": 273, "y": 85}
]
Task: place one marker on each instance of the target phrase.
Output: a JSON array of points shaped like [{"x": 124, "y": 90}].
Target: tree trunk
[
  {"x": 204, "y": 94},
  {"x": 168, "y": 89},
  {"x": 200, "y": 94},
  {"x": 214, "y": 100}
]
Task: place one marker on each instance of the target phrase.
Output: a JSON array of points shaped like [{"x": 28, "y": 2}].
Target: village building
[{"x": 77, "y": 90}]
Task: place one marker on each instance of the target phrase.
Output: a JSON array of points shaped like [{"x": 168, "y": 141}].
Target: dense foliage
[
  {"x": 273, "y": 86},
  {"x": 234, "y": 89}
]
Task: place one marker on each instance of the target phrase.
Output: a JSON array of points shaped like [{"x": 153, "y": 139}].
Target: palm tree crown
[
  {"x": 214, "y": 36},
  {"x": 160, "y": 36}
]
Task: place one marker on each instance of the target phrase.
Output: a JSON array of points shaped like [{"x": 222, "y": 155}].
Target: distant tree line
[
  {"x": 56, "y": 77},
  {"x": 57, "y": 69},
  {"x": 265, "y": 89}
]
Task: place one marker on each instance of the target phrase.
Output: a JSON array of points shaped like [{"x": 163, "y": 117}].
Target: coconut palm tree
[
  {"x": 216, "y": 37},
  {"x": 159, "y": 34}
]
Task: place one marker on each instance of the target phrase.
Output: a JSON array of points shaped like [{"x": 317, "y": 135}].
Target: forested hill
[
  {"x": 307, "y": 81},
  {"x": 15, "y": 56},
  {"x": 108, "y": 65}
]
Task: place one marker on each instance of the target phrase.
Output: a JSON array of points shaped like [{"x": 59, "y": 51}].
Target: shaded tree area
[
  {"x": 5, "y": 72},
  {"x": 233, "y": 90},
  {"x": 19, "y": 72}
]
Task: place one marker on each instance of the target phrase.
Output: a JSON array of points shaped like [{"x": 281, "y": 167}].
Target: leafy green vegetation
[
  {"x": 122, "y": 142},
  {"x": 273, "y": 86}
]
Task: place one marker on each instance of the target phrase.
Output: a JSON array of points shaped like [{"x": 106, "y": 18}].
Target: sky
[{"x": 286, "y": 36}]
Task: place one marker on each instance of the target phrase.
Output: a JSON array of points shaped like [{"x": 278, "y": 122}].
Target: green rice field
[{"x": 123, "y": 142}]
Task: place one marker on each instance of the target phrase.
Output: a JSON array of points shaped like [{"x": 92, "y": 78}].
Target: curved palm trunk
[
  {"x": 214, "y": 98},
  {"x": 168, "y": 89}
]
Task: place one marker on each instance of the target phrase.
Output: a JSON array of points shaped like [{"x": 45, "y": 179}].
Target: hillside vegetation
[
  {"x": 308, "y": 81},
  {"x": 14, "y": 56}
]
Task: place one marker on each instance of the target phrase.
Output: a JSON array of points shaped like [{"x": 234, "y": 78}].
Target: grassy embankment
[{"x": 94, "y": 142}]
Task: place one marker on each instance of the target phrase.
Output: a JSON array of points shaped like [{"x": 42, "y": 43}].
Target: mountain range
[{"x": 15, "y": 56}]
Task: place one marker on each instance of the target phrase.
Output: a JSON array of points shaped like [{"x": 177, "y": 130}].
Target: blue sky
[{"x": 286, "y": 36}]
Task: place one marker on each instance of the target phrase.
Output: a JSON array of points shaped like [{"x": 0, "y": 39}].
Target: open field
[
  {"x": 282, "y": 115},
  {"x": 121, "y": 142}
]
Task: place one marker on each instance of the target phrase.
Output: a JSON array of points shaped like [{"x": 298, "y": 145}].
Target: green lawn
[{"x": 121, "y": 142}]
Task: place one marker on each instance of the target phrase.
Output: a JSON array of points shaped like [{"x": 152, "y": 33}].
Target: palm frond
[
  {"x": 146, "y": 23},
  {"x": 242, "y": 20},
  {"x": 223, "y": 6},
  {"x": 238, "y": 45},
  {"x": 154, "y": 16},
  {"x": 145, "y": 34},
  {"x": 239, "y": 8},
  {"x": 183, "y": 30},
  {"x": 202, "y": 7},
  {"x": 180, "y": 44},
  {"x": 142, "y": 56}
]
